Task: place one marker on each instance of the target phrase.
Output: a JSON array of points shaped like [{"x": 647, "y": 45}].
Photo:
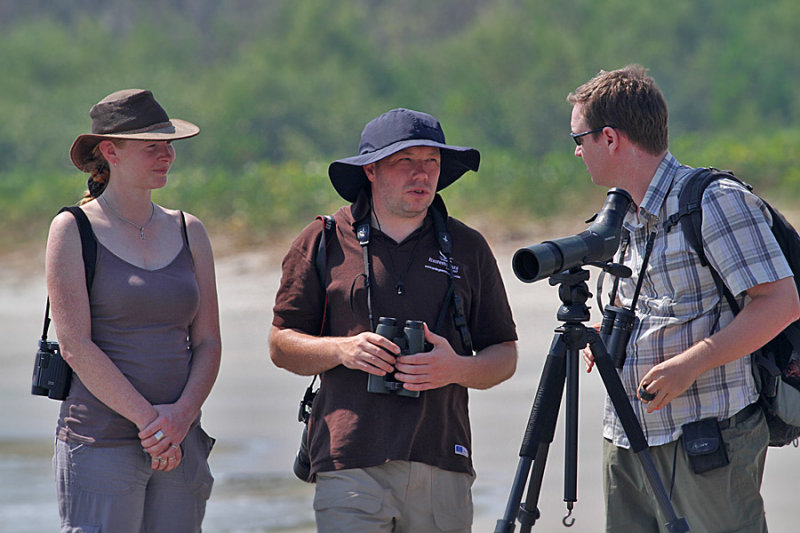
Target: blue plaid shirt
[{"x": 679, "y": 304}]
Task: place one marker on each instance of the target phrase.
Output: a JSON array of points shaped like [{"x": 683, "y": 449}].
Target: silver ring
[
  {"x": 159, "y": 435},
  {"x": 174, "y": 447},
  {"x": 161, "y": 459}
]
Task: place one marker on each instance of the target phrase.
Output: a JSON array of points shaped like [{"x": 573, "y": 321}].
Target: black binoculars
[
  {"x": 52, "y": 376},
  {"x": 615, "y": 331},
  {"x": 411, "y": 340}
]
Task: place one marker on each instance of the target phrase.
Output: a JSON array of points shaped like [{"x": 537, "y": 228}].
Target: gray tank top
[{"x": 140, "y": 319}]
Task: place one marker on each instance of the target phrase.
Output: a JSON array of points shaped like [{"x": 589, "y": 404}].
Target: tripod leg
[
  {"x": 536, "y": 440},
  {"x": 619, "y": 398},
  {"x": 571, "y": 435}
]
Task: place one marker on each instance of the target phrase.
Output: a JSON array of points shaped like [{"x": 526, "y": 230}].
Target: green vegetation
[{"x": 281, "y": 88}]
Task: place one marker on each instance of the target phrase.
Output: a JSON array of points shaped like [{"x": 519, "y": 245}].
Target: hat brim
[
  {"x": 348, "y": 177},
  {"x": 81, "y": 151}
]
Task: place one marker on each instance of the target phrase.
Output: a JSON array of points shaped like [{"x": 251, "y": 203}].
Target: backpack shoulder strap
[
  {"x": 88, "y": 242},
  {"x": 690, "y": 216},
  {"x": 321, "y": 266},
  {"x": 88, "y": 252},
  {"x": 320, "y": 259}
]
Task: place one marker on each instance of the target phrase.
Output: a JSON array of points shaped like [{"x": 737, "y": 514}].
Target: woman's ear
[{"x": 109, "y": 151}]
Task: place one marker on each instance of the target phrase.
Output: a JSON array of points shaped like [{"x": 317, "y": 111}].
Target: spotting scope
[{"x": 596, "y": 244}]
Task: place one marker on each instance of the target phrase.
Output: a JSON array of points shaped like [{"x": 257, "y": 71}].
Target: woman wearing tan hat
[{"x": 143, "y": 339}]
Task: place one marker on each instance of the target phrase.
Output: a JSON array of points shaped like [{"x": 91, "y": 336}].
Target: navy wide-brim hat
[{"x": 391, "y": 132}]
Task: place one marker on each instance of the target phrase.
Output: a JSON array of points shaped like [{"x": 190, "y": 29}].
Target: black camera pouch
[{"x": 704, "y": 446}]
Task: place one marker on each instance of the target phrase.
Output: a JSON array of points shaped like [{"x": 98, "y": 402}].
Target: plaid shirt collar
[{"x": 657, "y": 191}]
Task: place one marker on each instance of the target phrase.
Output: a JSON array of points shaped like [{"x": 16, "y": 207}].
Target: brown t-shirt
[
  {"x": 140, "y": 319},
  {"x": 353, "y": 428}
]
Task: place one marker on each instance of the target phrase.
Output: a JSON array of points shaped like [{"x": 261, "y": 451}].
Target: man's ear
[
  {"x": 613, "y": 138},
  {"x": 369, "y": 170}
]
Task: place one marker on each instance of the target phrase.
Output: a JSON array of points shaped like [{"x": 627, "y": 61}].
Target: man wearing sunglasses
[{"x": 687, "y": 369}]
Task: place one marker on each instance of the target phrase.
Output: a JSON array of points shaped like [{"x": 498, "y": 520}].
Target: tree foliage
[{"x": 280, "y": 88}]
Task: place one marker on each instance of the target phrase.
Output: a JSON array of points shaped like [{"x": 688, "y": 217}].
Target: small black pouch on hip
[{"x": 703, "y": 443}]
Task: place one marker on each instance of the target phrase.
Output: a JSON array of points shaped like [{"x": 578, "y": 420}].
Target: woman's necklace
[{"x": 134, "y": 224}]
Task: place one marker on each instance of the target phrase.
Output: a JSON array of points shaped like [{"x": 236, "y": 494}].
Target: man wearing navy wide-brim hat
[{"x": 389, "y": 441}]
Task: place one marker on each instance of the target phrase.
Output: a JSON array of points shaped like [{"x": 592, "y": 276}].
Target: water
[
  {"x": 242, "y": 501},
  {"x": 252, "y": 414}
]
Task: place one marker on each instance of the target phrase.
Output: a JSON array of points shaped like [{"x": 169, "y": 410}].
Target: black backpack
[{"x": 777, "y": 364}]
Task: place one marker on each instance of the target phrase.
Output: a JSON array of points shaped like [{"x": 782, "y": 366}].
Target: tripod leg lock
[{"x": 528, "y": 517}]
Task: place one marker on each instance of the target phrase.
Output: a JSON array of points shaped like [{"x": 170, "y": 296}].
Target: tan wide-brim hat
[{"x": 130, "y": 114}]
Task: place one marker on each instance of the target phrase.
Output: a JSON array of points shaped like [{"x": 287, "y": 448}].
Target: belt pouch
[{"x": 703, "y": 443}]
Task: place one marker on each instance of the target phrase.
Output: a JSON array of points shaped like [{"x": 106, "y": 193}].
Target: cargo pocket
[
  {"x": 196, "y": 472},
  {"x": 108, "y": 471},
  {"x": 452, "y": 508},
  {"x": 336, "y": 490}
]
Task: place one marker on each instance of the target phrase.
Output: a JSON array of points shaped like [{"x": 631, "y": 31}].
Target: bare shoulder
[
  {"x": 193, "y": 224},
  {"x": 196, "y": 229},
  {"x": 63, "y": 252},
  {"x": 63, "y": 226},
  {"x": 199, "y": 241}
]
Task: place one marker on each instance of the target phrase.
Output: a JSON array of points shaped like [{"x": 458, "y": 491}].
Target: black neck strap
[
  {"x": 446, "y": 246},
  {"x": 362, "y": 234}
]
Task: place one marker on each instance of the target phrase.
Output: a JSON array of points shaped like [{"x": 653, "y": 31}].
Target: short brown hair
[{"x": 627, "y": 99}]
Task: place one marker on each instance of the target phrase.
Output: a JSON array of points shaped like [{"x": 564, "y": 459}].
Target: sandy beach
[{"x": 252, "y": 413}]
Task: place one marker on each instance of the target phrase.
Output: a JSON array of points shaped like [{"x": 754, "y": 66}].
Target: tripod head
[{"x": 574, "y": 292}]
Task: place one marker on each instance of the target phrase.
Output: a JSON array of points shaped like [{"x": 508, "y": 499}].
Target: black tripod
[{"x": 562, "y": 365}]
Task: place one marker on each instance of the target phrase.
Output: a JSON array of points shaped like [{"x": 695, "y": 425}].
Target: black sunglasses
[{"x": 577, "y": 136}]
